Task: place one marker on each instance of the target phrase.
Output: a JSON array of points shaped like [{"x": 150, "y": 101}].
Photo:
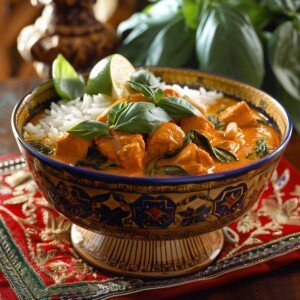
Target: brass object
[{"x": 68, "y": 27}]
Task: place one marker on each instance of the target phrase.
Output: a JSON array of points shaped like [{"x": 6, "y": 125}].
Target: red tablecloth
[{"x": 38, "y": 262}]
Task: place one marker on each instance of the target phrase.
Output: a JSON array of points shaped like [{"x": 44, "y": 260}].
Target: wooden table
[{"x": 280, "y": 284}]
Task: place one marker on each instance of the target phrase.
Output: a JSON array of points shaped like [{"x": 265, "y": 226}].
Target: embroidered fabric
[{"x": 38, "y": 261}]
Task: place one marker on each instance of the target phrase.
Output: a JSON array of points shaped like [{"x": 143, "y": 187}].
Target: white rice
[{"x": 65, "y": 114}]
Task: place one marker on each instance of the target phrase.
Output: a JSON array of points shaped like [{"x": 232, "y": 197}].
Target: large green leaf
[
  {"x": 258, "y": 12},
  {"x": 284, "y": 56},
  {"x": 136, "y": 46},
  {"x": 173, "y": 46},
  {"x": 227, "y": 44},
  {"x": 162, "y": 12},
  {"x": 291, "y": 104},
  {"x": 283, "y": 5},
  {"x": 178, "y": 108}
]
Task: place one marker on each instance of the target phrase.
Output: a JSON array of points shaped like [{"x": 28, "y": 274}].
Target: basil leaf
[
  {"x": 67, "y": 83},
  {"x": 223, "y": 155},
  {"x": 115, "y": 112},
  {"x": 90, "y": 129},
  {"x": 214, "y": 120},
  {"x": 188, "y": 139},
  {"x": 291, "y": 104},
  {"x": 162, "y": 11},
  {"x": 227, "y": 44},
  {"x": 261, "y": 150},
  {"x": 167, "y": 170},
  {"x": 283, "y": 5},
  {"x": 259, "y": 14},
  {"x": 174, "y": 45},
  {"x": 191, "y": 10},
  {"x": 145, "y": 77},
  {"x": 94, "y": 159},
  {"x": 141, "y": 117},
  {"x": 159, "y": 94},
  {"x": 40, "y": 147},
  {"x": 143, "y": 89},
  {"x": 140, "y": 38},
  {"x": 284, "y": 56},
  {"x": 220, "y": 154},
  {"x": 178, "y": 108}
]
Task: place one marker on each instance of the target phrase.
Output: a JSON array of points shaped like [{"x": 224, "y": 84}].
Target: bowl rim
[{"x": 174, "y": 180}]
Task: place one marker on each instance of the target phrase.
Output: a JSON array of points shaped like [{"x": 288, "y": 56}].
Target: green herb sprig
[
  {"x": 89, "y": 129},
  {"x": 40, "y": 147},
  {"x": 214, "y": 120},
  {"x": 260, "y": 39},
  {"x": 262, "y": 149},
  {"x": 94, "y": 159}
]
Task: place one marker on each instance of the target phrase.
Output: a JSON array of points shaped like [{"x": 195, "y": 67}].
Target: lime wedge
[{"x": 109, "y": 76}]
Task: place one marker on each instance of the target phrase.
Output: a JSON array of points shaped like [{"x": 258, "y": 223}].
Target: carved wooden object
[{"x": 68, "y": 27}]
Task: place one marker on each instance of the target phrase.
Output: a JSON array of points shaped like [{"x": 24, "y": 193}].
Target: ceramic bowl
[{"x": 152, "y": 226}]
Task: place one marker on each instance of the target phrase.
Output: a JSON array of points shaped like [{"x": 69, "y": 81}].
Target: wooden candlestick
[{"x": 68, "y": 27}]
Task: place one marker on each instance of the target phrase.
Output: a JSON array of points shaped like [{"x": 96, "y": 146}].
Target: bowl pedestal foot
[{"x": 147, "y": 258}]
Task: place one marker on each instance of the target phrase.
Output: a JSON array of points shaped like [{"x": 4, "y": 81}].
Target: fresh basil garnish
[
  {"x": 145, "y": 77},
  {"x": 94, "y": 159},
  {"x": 141, "y": 117},
  {"x": 261, "y": 150},
  {"x": 167, "y": 170},
  {"x": 143, "y": 89},
  {"x": 40, "y": 147},
  {"x": 178, "y": 108},
  {"x": 68, "y": 84},
  {"x": 90, "y": 129},
  {"x": 218, "y": 153},
  {"x": 147, "y": 91},
  {"x": 214, "y": 120},
  {"x": 115, "y": 112}
]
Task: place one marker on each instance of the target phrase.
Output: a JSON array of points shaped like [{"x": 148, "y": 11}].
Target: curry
[{"x": 179, "y": 139}]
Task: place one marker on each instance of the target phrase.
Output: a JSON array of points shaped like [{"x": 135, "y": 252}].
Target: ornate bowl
[{"x": 152, "y": 226}]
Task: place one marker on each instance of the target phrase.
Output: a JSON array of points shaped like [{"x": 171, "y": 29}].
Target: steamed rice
[{"x": 65, "y": 114}]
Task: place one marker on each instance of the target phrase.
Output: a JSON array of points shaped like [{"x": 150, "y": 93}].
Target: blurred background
[{"x": 254, "y": 41}]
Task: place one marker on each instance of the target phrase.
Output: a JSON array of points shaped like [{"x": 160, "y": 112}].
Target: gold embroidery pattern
[
  {"x": 53, "y": 235},
  {"x": 273, "y": 208}
]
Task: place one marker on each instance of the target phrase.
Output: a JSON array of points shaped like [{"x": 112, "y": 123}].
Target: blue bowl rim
[{"x": 159, "y": 181}]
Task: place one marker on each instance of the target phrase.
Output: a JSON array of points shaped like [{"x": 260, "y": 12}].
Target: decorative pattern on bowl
[{"x": 160, "y": 220}]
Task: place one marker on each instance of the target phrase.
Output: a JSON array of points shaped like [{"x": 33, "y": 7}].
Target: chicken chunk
[
  {"x": 239, "y": 113},
  {"x": 107, "y": 147},
  {"x": 126, "y": 149},
  {"x": 170, "y": 92},
  {"x": 231, "y": 131},
  {"x": 166, "y": 138},
  {"x": 192, "y": 159},
  {"x": 70, "y": 148},
  {"x": 199, "y": 123}
]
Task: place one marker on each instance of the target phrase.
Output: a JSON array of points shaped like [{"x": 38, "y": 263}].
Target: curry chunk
[
  {"x": 199, "y": 123},
  {"x": 107, "y": 147},
  {"x": 70, "y": 148},
  {"x": 192, "y": 159},
  {"x": 166, "y": 138},
  {"x": 125, "y": 149},
  {"x": 239, "y": 113}
]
